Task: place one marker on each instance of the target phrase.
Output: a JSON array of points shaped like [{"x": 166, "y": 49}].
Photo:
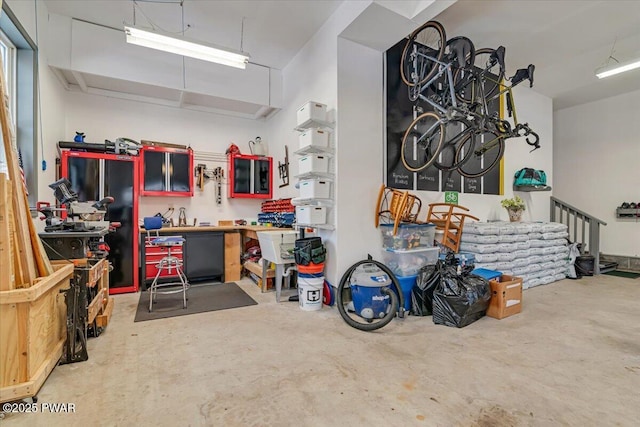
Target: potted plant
[{"x": 514, "y": 207}]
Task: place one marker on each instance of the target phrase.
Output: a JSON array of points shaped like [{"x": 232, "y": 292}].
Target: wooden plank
[
  {"x": 257, "y": 269},
  {"x": 39, "y": 288},
  {"x": 96, "y": 305},
  {"x": 7, "y": 278},
  {"x": 20, "y": 205},
  {"x": 103, "y": 319},
  {"x": 23, "y": 342},
  {"x": 232, "y": 252},
  {"x": 18, "y": 268},
  {"x": 9, "y": 351}
]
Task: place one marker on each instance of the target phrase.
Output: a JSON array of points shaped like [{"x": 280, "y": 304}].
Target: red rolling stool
[{"x": 168, "y": 262}]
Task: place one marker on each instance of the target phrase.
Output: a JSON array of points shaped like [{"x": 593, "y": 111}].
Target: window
[
  {"x": 20, "y": 65},
  {"x": 8, "y": 53}
]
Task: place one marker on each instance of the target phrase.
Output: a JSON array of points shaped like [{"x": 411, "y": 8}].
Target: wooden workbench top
[{"x": 216, "y": 228}]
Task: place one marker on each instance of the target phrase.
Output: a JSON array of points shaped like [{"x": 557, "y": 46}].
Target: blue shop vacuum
[{"x": 369, "y": 295}]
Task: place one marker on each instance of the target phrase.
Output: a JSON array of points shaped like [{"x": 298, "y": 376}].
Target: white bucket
[{"x": 310, "y": 288}]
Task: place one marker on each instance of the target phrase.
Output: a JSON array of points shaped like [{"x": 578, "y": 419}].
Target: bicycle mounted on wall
[{"x": 458, "y": 82}]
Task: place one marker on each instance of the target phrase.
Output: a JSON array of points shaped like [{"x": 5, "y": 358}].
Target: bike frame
[{"x": 443, "y": 68}]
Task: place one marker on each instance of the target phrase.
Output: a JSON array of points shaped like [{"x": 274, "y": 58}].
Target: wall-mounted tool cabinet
[
  {"x": 94, "y": 176},
  {"x": 250, "y": 176},
  {"x": 166, "y": 171}
]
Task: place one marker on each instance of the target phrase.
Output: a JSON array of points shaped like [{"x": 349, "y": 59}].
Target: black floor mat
[
  {"x": 623, "y": 274},
  {"x": 202, "y": 297}
]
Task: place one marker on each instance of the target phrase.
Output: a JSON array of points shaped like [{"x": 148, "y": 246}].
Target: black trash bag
[
  {"x": 422, "y": 292},
  {"x": 460, "y": 300}
]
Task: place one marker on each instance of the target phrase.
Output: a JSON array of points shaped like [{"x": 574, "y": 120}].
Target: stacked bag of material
[{"x": 536, "y": 251}]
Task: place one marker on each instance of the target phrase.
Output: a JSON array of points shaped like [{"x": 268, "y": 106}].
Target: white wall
[
  {"x": 537, "y": 110},
  {"x": 360, "y": 150},
  {"x": 596, "y": 157},
  {"x": 103, "y": 118},
  {"x": 52, "y": 107},
  {"x": 312, "y": 75}
]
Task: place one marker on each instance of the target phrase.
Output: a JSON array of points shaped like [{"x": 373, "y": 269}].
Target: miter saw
[
  {"x": 80, "y": 233},
  {"x": 81, "y": 216}
]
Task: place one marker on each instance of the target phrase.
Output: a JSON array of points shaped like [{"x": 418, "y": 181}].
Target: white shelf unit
[
  {"x": 298, "y": 201},
  {"x": 319, "y": 175},
  {"x": 327, "y": 151}
]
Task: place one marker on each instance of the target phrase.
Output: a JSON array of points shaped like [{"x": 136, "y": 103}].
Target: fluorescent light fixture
[
  {"x": 617, "y": 68},
  {"x": 181, "y": 46}
]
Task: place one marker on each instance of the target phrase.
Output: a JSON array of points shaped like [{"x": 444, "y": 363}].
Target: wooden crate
[{"x": 32, "y": 333}]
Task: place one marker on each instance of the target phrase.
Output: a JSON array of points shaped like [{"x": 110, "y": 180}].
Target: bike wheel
[
  {"x": 482, "y": 154},
  {"x": 422, "y": 141},
  {"x": 426, "y": 42},
  {"x": 458, "y": 132},
  {"x": 485, "y": 71},
  {"x": 343, "y": 298}
]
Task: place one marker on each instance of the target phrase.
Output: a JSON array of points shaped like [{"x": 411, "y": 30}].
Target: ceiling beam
[{"x": 80, "y": 80}]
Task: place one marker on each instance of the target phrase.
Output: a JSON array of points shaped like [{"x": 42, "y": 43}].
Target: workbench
[{"x": 234, "y": 238}]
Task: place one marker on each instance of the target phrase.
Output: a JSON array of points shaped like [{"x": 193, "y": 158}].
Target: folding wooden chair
[
  {"x": 395, "y": 206},
  {"x": 450, "y": 219}
]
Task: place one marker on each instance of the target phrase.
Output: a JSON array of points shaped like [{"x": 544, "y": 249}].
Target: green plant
[{"x": 515, "y": 203}]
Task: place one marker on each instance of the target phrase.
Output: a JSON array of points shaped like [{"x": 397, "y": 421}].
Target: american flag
[{"x": 24, "y": 180}]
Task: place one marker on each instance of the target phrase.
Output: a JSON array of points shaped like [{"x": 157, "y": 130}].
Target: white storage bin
[
  {"x": 311, "y": 111},
  {"x": 275, "y": 245},
  {"x": 311, "y": 214},
  {"x": 314, "y": 189},
  {"x": 314, "y": 137},
  {"x": 313, "y": 163}
]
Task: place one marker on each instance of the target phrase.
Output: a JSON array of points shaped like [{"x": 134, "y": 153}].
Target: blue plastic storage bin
[
  {"x": 406, "y": 284},
  {"x": 486, "y": 273}
]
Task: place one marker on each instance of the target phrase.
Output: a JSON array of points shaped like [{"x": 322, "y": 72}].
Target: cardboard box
[{"x": 506, "y": 297}]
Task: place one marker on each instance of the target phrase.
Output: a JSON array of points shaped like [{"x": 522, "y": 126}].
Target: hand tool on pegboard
[
  {"x": 283, "y": 168},
  {"x": 218, "y": 175}
]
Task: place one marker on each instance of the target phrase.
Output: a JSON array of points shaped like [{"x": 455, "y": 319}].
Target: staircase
[{"x": 583, "y": 228}]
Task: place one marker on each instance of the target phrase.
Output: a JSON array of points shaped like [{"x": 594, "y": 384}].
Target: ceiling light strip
[
  {"x": 181, "y": 46},
  {"x": 618, "y": 68}
]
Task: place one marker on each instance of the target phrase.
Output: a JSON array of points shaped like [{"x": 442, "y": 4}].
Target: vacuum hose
[{"x": 396, "y": 300}]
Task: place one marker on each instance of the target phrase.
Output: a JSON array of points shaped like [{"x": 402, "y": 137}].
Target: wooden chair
[
  {"x": 450, "y": 219},
  {"x": 395, "y": 206}
]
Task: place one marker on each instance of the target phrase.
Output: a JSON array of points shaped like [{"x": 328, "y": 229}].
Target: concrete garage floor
[{"x": 572, "y": 357}]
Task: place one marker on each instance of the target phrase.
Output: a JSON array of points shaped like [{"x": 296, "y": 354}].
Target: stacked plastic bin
[{"x": 407, "y": 251}]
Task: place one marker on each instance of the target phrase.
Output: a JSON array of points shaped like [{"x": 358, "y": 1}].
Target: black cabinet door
[
  {"x": 118, "y": 183},
  {"x": 261, "y": 177},
  {"x": 241, "y": 176},
  {"x": 84, "y": 175},
  {"x": 179, "y": 172},
  {"x": 154, "y": 170},
  {"x": 204, "y": 255}
]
